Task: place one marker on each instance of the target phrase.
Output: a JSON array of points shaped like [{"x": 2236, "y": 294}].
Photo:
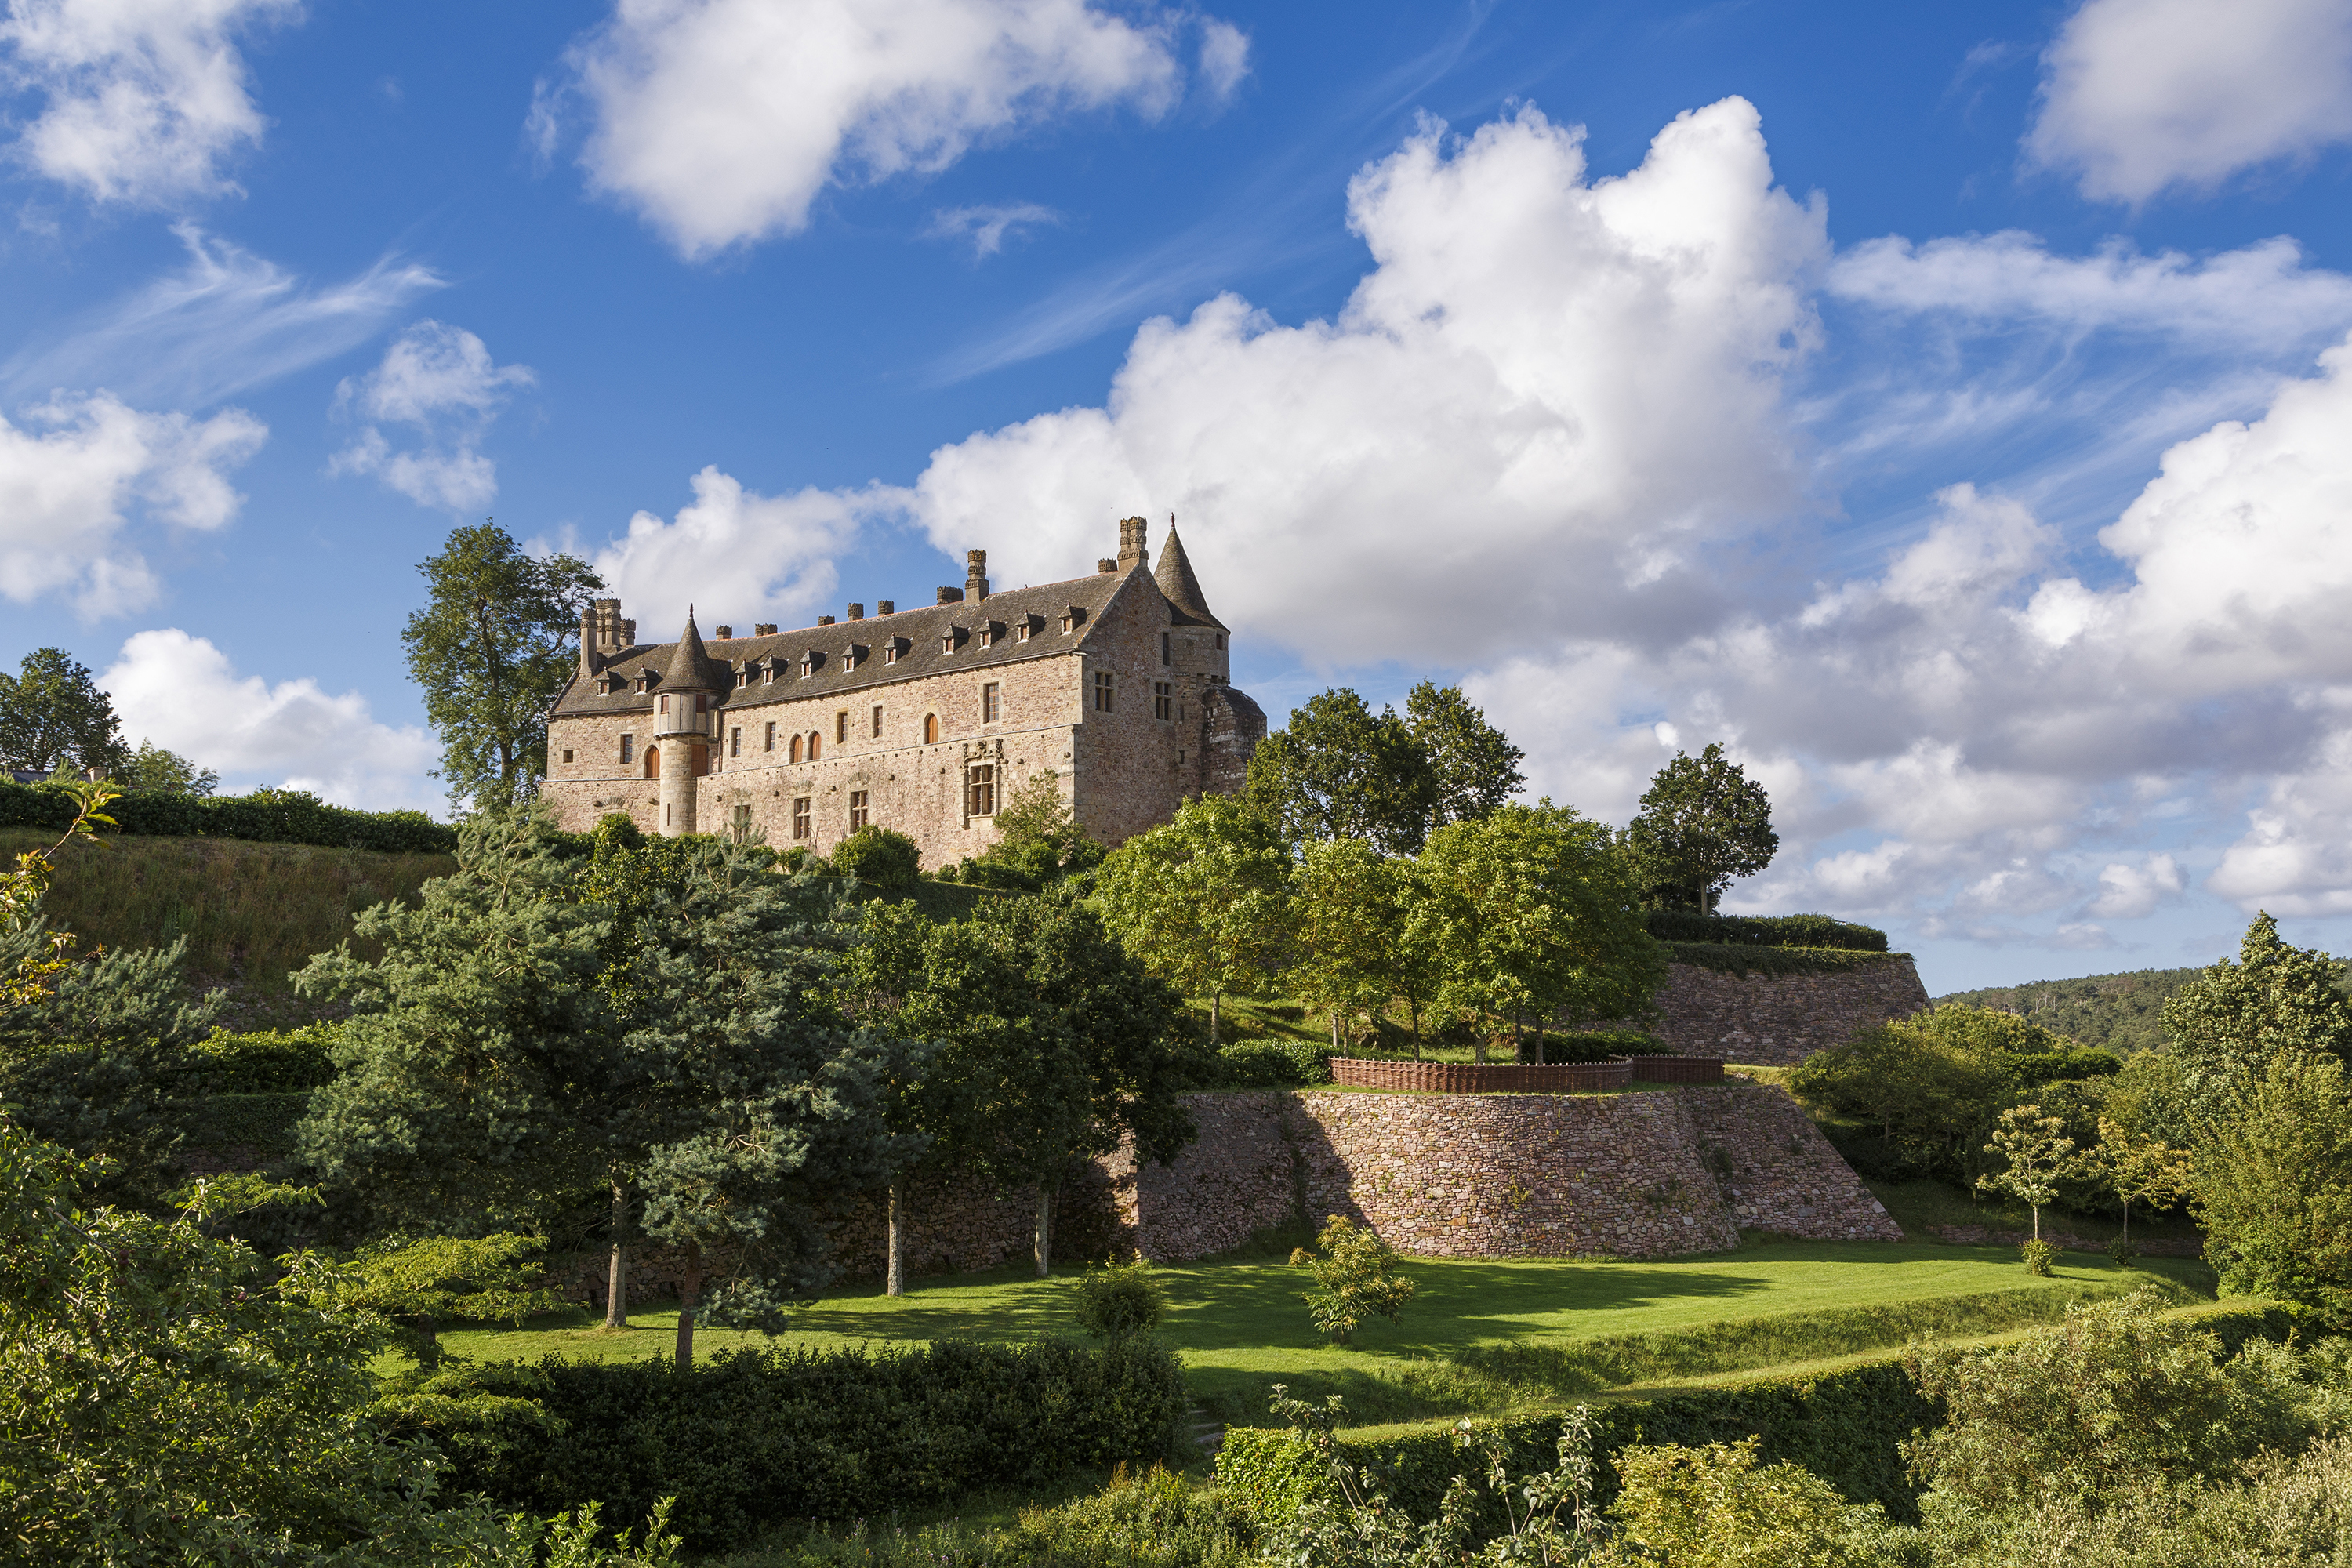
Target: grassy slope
[
  {"x": 250, "y": 912},
  {"x": 1480, "y": 1334}
]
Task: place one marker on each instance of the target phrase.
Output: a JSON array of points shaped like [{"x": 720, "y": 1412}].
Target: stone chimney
[
  {"x": 603, "y": 633},
  {"x": 975, "y": 579},
  {"x": 824, "y": 620},
  {"x": 1106, "y": 566},
  {"x": 722, "y": 633},
  {"x": 857, "y": 612},
  {"x": 764, "y": 629},
  {"x": 1132, "y": 551},
  {"x": 951, "y": 596},
  {"x": 885, "y": 607}
]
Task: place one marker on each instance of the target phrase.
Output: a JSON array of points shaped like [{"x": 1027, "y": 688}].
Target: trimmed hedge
[
  {"x": 267, "y": 1061},
  {"x": 1844, "y": 1427},
  {"x": 1274, "y": 1064},
  {"x": 265, "y": 817},
  {"x": 752, "y": 1439},
  {"x": 1601, "y": 1045},
  {"x": 1763, "y": 931},
  {"x": 1733, "y": 958}
]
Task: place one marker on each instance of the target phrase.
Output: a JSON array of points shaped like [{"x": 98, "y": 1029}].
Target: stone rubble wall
[
  {"x": 1779, "y": 1020},
  {"x": 1776, "y": 1170}
]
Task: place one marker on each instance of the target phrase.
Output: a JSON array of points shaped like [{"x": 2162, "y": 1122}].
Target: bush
[
  {"x": 1120, "y": 1299},
  {"x": 1356, "y": 1278},
  {"x": 2039, "y": 1255},
  {"x": 1147, "y": 1519},
  {"x": 1601, "y": 1045},
  {"x": 1763, "y": 931},
  {"x": 267, "y": 1061},
  {"x": 881, "y": 856},
  {"x": 1273, "y": 1064},
  {"x": 752, "y": 1439},
  {"x": 267, "y": 816}
]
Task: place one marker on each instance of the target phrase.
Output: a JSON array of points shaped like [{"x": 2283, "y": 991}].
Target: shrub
[
  {"x": 2123, "y": 1252},
  {"x": 1120, "y": 1299},
  {"x": 2274, "y": 1188},
  {"x": 1273, "y": 1064},
  {"x": 1357, "y": 1278},
  {"x": 265, "y": 1061},
  {"x": 1764, "y": 931},
  {"x": 2039, "y": 1255},
  {"x": 1142, "y": 1518},
  {"x": 751, "y": 1439},
  {"x": 267, "y": 816},
  {"x": 1601, "y": 1045},
  {"x": 1714, "y": 1507},
  {"x": 881, "y": 856}
]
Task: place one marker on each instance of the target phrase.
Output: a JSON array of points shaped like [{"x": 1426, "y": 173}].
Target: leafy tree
[
  {"x": 1340, "y": 771},
  {"x": 2275, "y": 1186},
  {"x": 489, "y": 651},
  {"x": 152, "y": 770},
  {"x": 1204, "y": 900},
  {"x": 1358, "y": 949},
  {"x": 1714, "y": 1507},
  {"x": 1356, "y": 1278},
  {"x": 1703, "y": 824},
  {"x": 53, "y": 718},
  {"x": 2230, "y": 1023},
  {"x": 882, "y": 857},
  {"x": 418, "y": 1285},
  {"x": 2034, "y": 1154},
  {"x": 1476, "y": 767},
  {"x": 1531, "y": 914},
  {"x": 28, "y": 973},
  {"x": 2140, "y": 1169}
]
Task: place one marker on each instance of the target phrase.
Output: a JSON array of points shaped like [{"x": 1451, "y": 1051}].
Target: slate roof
[
  {"x": 1179, "y": 587},
  {"x": 919, "y": 633}
]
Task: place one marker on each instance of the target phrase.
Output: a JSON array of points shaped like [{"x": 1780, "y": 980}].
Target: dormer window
[
  {"x": 641, "y": 684},
  {"x": 743, "y": 676},
  {"x": 1072, "y": 619},
  {"x": 810, "y": 661},
  {"x": 952, "y": 636},
  {"x": 992, "y": 634},
  {"x": 768, "y": 673},
  {"x": 852, "y": 656}
]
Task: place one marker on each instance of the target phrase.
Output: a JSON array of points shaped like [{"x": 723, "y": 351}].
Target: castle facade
[{"x": 925, "y": 720}]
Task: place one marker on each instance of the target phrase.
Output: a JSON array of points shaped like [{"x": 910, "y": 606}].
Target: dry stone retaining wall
[
  {"x": 1776, "y": 1172},
  {"x": 1779, "y": 1020}
]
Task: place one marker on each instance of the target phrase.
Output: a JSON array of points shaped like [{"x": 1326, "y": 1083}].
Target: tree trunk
[
  {"x": 689, "y": 1291},
  {"x": 1214, "y": 998},
  {"x": 616, "y": 1269},
  {"x": 1335, "y": 1031},
  {"x": 894, "y": 1282},
  {"x": 1044, "y": 1234},
  {"x": 2127, "y": 1220}
]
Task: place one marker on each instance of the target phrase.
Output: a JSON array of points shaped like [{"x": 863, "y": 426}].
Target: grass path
[{"x": 1480, "y": 1334}]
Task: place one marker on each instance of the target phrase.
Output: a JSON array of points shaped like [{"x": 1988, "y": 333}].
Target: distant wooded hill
[{"x": 2114, "y": 1012}]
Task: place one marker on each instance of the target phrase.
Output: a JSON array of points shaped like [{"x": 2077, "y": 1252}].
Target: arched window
[
  {"x": 930, "y": 729},
  {"x": 796, "y": 748},
  {"x": 812, "y": 748},
  {"x": 652, "y": 761}
]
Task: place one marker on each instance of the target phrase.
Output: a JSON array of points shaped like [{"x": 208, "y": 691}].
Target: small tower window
[
  {"x": 930, "y": 729},
  {"x": 1220, "y": 642},
  {"x": 1163, "y": 648},
  {"x": 991, "y": 703},
  {"x": 1163, "y": 700},
  {"x": 771, "y": 737},
  {"x": 567, "y": 754},
  {"x": 663, "y": 702},
  {"x": 1102, "y": 690}
]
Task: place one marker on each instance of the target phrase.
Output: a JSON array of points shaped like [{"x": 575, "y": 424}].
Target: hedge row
[
  {"x": 265, "y": 817},
  {"x": 1844, "y": 1427},
  {"x": 751, "y": 1439},
  {"x": 1764, "y": 931},
  {"x": 267, "y": 1061},
  {"x": 1732, "y": 958}
]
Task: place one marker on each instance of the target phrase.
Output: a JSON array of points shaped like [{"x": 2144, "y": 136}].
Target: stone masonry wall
[
  {"x": 1776, "y": 1170},
  {"x": 1780, "y": 1020},
  {"x": 1235, "y": 1179}
]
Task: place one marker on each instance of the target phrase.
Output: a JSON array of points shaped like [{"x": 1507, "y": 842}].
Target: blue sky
[{"x": 1936, "y": 404}]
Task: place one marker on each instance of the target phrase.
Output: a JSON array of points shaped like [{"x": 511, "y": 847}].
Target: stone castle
[{"x": 925, "y": 720}]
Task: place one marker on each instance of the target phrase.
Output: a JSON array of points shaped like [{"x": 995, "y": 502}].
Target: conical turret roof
[
  {"x": 690, "y": 667},
  {"x": 1177, "y": 583}
]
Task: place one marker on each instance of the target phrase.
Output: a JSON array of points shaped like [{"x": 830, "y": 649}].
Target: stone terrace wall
[
  {"x": 1776, "y": 1170},
  {"x": 1480, "y": 1077},
  {"x": 1780, "y": 1020},
  {"x": 1237, "y": 1179}
]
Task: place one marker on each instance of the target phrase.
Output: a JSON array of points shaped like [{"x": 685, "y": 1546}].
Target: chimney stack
[
  {"x": 764, "y": 629},
  {"x": 885, "y": 607},
  {"x": 824, "y": 620},
  {"x": 722, "y": 633},
  {"x": 951, "y": 596},
  {"x": 1106, "y": 566},
  {"x": 1132, "y": 551},
  {"x": 975, "y": 581},
  {"x": 857, "y": 612}
]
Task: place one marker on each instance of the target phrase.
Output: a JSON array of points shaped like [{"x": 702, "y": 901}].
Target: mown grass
[
  {"x": 1480, "y": 1334},
  {"x": 250, "y": 912}
]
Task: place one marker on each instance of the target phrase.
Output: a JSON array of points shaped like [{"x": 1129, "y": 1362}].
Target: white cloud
[
  {"x": 2262, "y": 297},
  {"x": 228, "y": 322},
  {"x": 74, "y": 473},
  {"x": 182, "y": 693},
  {"x": 1224, "y": 57},
  {"x": 441, "y": 381},
  {"x": 2139, "y": 95},
  {"x": 774, "y": 554},
  {"x": 720, "y": 122},
  {"x": 2129, "y": 892},
  {"x": 144, "y": 100},
  {"x": 985, "y": 227},
  {"x": 2295, "y": 856},
  {"x": 1550, "y": 392}
]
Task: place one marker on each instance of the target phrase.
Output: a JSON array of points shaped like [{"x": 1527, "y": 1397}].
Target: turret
[{"x": 682, "y": 728}]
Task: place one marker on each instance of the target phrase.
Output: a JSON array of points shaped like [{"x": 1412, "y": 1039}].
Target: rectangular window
[
  {"x": 1163, "y": 647},
  {"x": 567, "y": 754},
  {"x": 771, "y": 736},
  {"x": 878, "y": 720},
  {"x": 980, "y": 790},
  {"x": 990, "y": 703},
  {"x": 1163, "y": 700},
  {"x": 629, "y": 747},
  {"x": 856, "y": 809},
  {"x": 841, "y": 727},
  {"x": 735, "y": 742},
  {"x": 802, "y": 829},
  {"x": 1102, "y": 690}
]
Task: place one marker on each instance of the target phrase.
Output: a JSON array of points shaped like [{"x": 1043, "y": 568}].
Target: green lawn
[{"x": 1481, "y": 1334}]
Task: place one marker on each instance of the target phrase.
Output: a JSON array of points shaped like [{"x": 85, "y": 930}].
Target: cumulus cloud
[
  {"x": 182, "y": 693},
  {"x": 774, "y": 554},
  {"x": 720, "y": 122},
  {"x": 80, "y": 468},
  {"x": 440, "y": 380},
  {"x": 2140, "y": 95},
  {"x": 1548, "y": 395},
  {"x": 984, "y": 227},
  {"x": 224, "y": 322},
  {"x": 143, "y": 100},
  {"x": 2128, "y": 891}
]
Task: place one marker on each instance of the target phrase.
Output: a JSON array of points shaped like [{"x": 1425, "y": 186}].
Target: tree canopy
[
  {"x": 1203, "y": 900},
  {"x": 1473, "y": 766},
  {"x": 489, "y": 651},
  {"x": 1703, "y": 824},
  {"x": 1340, "y": 771},
  {"x": 53, "y": 717},
  {"x": 2231, "y": 1021}
]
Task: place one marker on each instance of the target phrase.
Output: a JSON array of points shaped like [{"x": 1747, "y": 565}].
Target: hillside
[{"x": 2114, "y": 1011}]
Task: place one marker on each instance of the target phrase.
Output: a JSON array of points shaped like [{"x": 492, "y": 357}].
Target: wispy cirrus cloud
[{"x": 984, "y": 227}]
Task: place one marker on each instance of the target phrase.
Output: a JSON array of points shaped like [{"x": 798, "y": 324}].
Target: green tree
[
  {"x": 1703, "y": 824},
  {"x": 2275, "y": 1186},
  {"x": 1476, "y": 767},
  {"x": 882, "y": 857},
  {"x": 1340, "y": 771},
  {"x": 1356, "y": 1277},
  {"x": 493, "y": 645},
  {"x": 2033, "y": 1154},
  {"x": 2230, "y": 1023},
  {"x": 152, "y": 770},
  {"x": 2140, "y": 1170},
  {"x": 1203, "y": 899},
  {"x": 1535, "y": 921},
  {"x": 1359, "y": 953},
  {"x": 421, "y": 1284},
  {"x": 53, "y": 718},
  {"x": 1714, "y": 1507}
]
